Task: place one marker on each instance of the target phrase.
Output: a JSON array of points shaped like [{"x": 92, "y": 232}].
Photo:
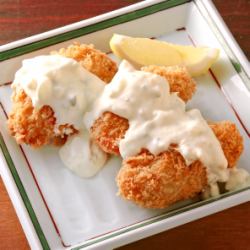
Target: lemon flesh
[{"x": 145, "y": 51}]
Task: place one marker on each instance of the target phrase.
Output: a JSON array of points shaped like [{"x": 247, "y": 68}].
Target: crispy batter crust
[
  {"x": 159, "y": 181},
  {"x": 230, "y": 139},
  {"x": 178, "y": 78},
  {"x": 35, "y": 126},
  {"x": 91, "y": 59},
  {"x": 108, "y": 130}
]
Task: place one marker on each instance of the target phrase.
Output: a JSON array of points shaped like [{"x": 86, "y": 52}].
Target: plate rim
[{"x": 137, "y": 12}]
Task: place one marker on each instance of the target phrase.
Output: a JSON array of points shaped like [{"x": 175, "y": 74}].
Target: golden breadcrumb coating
[
  {"x": 108, "y": 130},
  {"x": 35, "y": 126},
  {"x": 159, "y": 181},
  {"x": 91, "y": 59},
  {"x": 230, "y": 139},
  {"x": 178, "y": 77}
]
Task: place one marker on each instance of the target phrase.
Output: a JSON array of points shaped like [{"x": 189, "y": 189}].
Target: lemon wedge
[{"x": 145, "y": 51}]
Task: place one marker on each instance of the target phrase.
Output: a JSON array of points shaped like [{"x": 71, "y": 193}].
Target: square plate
[{"x": 59, "y": 210}]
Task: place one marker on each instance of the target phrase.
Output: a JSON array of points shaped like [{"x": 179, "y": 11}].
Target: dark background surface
[{"x": 229, "y": 229}]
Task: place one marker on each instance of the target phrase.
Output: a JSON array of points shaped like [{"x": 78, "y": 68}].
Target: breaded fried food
[
  {"x": 230, "y": 139},
  {"x": 35, "y": 127},
  {"x": 91, "y": 59},
  {"x": 109, "y": 129},
  {"x": 178, "y": 77},
  {"x": 159, "y": 181}
]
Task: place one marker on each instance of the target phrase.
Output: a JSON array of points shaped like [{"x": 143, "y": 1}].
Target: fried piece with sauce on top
[
  {"x": 108, "y": 129},
  {"x": 159, "y": 181},
  {"x": 36, "y": 127}
]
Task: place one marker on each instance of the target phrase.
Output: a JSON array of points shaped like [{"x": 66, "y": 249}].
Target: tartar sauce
[
  {"x": 82, "y": 156},
  {"x": 157, "y": 119},
  {"x": 60, "y": 82},
  {"x": 238, "y": 178}
]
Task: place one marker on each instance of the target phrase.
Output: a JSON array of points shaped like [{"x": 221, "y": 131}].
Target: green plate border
[
  {"x": 71, "y": 35},
  {"x": 23, "y": 194},
  {"x": 163, "y": 216}
]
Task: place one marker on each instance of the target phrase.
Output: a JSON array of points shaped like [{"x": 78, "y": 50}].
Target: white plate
[{"x": 60, "y": 210}]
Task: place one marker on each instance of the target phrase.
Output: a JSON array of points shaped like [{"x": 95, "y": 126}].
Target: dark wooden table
[{"x": 229, "y": 229}]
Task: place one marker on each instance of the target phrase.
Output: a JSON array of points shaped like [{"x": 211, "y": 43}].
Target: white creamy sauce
[
  {"x": 157, "y": 119},
  {"x": 81, "y": 156},
  {"x": 60, "y": 82},
  {"x": 238, "y": 178},
  {"x": 212, "y": 190}
]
